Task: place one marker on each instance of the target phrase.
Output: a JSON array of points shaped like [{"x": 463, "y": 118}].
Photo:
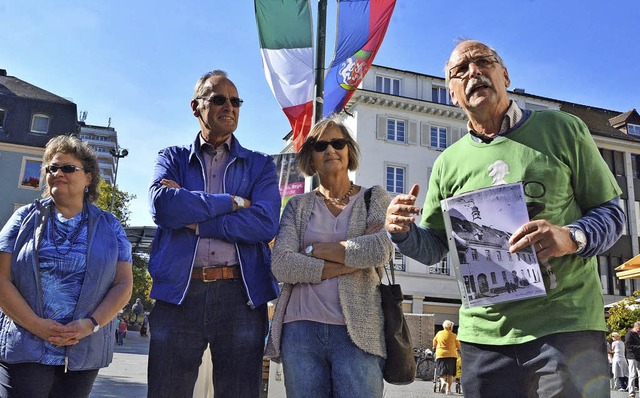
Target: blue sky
[{"x": 136, "y": 61}]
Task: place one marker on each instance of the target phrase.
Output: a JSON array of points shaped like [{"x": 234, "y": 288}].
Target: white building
[{"x": 102, "y": 140}]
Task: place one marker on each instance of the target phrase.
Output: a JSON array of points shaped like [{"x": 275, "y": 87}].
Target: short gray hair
[
  {"x": 201, "y": 86},
  {"x": 447, "y": 324}
]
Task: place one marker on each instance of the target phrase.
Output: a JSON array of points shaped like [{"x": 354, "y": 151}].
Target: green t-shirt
[{"x": 554, "y": 155}]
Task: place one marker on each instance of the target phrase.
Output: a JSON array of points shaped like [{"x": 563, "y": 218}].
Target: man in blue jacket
[{"x": 217, "y": 207}]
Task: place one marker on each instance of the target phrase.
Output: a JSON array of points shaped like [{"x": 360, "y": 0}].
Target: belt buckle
[{"x": 204, "y": 275}]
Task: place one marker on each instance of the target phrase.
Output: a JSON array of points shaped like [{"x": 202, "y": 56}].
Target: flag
[
  {"x": 286, "y": 42},
  {"x": 362, "y": 25}
]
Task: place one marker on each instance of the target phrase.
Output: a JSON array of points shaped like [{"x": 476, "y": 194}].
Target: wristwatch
[
  {"x": 239, "y": 201},
  {"x": 96, "y": 325},
  {"x": 309, "y": 250},
  {"x": 579, "y": 237}
]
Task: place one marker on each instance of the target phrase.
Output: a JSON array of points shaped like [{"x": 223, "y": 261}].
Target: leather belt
[{"x": 212, "y": 274}]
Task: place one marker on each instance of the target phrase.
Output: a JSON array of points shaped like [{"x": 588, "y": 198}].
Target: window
[
  {"x": 441, "y": 268},
  {"x": 474, "y": 254},
  {"x": 438, "y": 137},
  {"x": 633, "y": 129},
  {"x": 30, "y": 173},
  {"x": 487, "y": 254},
  {"x": 40, "y": 124},
  {"x": 499, "y": 255},
  {"x": 395, "y": 179},
  {"x": 396, "y": 130},
  {"x": 440, "y": 95},
  {"x": 387, "y": 85},
  {"x": 493, "y": 278},
  {"x": 2, "y": 113}
]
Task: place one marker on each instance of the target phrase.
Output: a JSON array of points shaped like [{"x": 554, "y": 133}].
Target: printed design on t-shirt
[{"x": 498, "y": 171}]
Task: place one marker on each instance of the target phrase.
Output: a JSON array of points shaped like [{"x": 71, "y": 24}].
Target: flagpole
[{"x": 320, "y": 46}]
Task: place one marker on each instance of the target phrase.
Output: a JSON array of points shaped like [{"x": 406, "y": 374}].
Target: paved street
[{"x": 127, "y": 376}]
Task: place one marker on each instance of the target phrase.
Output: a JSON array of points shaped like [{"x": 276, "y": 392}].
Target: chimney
[
  {"x": 518, "y": 90},
  {"x": 3, "y": 72}
]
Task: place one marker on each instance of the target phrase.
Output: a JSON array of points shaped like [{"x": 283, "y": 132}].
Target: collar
[
  {"x": 511, "y": 118},
  {"x": 225, "y": 146}
]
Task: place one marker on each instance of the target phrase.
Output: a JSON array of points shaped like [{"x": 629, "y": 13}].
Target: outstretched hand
[
  {"x": 401, "y": 210},
  {"x": 546, "y": 239}
]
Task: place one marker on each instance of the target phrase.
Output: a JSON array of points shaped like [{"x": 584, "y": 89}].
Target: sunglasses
[
  {"x": 321, "y": 146},
  {"x": 66, "y": 168},
  {"x": 221, "y": 100}
]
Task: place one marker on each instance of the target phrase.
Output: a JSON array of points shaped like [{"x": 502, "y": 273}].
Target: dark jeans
[
  {"x": 558, "y": 365},
  {"x": 34, "y": 380},
  {"x": 217, "y": 314}
]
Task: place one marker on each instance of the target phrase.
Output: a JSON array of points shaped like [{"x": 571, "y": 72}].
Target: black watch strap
[{"x": 96, "y": 325}]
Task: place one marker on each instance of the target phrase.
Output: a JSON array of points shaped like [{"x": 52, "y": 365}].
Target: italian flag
[{"x": 286, "y": 42}]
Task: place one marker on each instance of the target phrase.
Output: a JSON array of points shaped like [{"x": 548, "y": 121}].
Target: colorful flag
[
  {"x": 362, "y": 25},
  {"x": 286, "y": 41}
]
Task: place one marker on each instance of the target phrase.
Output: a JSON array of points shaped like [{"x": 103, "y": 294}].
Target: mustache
[{"x": 475, "y": 82}]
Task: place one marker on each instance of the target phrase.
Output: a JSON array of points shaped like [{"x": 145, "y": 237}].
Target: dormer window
[
  {"x": 387, "y": 85},
  {"x": 40, "y": 123},
  {"x": 633, "y": 129}
]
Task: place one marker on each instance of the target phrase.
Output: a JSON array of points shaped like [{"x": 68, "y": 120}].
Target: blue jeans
[
  {"x": 558, "y": 365},
  {"x": 321, "y": 361},
  {"x": 214, "y": 313},
  {"x": 35, "y": 380}
]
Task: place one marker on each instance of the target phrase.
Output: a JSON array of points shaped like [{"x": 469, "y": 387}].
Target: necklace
[
  {"x": 338, "y": 201},
  {"x": 71, "y": 236}
]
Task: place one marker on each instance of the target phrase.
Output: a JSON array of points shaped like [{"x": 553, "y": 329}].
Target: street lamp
[{"x": 117, "y": 153}]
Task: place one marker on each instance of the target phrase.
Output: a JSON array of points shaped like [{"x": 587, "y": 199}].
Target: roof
[
  {"x": 598, "y": 120},
  {"x": 12, "y": 86},
  {"x": 629, "y": 116},
  {"x": 141, "y": 238}
]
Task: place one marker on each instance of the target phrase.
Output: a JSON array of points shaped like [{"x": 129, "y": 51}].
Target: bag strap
[{"x": 392, "y": 279}]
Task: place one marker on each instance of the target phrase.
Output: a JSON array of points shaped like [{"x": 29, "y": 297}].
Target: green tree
[
  {"x": 623, "y": 314},
  {"x": 120, "y": 202}
]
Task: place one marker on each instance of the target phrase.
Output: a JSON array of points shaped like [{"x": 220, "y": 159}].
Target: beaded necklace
[
  {"x": 71, "y": 236},
  {"x": 338, "y": 201}
]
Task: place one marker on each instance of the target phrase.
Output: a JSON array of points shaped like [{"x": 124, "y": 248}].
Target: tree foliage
[
  {"x": 623, "y": 314},
  {"x": 120, "y": 202}
]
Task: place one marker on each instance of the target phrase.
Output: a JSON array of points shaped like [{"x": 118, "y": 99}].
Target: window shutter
[
  {"x": 413, "y": 132},
  {"x": 381, "y": 132},
  {"x": 425, "y": 134}
]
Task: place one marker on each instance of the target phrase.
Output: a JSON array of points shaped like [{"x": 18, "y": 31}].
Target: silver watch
[
  {"x": 309, "y": 250},
  {"x": 579, "y": 237},
  {"x": 239, "y": 201}
]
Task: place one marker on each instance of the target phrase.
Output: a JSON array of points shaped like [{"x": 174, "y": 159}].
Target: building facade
[
  {"x": 29, "y": 118},
  {"x": 403, "y": 120},
  {"x": 103, "y": 140}
]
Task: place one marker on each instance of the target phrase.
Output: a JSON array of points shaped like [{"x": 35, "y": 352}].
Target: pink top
[{"x": 319, "y": 302}]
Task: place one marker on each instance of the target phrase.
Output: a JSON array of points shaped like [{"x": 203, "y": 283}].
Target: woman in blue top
[{"x": 65, "y": 272}]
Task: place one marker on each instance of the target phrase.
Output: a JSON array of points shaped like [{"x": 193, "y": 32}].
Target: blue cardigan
[{"x": 25, "y": 228}]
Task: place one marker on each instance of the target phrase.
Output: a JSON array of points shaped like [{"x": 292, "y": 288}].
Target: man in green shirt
[{"x": 546, "y": 346}]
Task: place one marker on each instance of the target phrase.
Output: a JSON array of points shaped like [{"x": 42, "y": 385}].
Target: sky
[{"x": 136, "y": 62}]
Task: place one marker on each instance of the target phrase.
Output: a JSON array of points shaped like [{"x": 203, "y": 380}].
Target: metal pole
[
  {"x": 115, "y": 177},
  {"x": 320, "y": 47}
]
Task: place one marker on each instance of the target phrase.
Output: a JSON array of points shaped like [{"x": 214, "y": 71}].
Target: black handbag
[{"x": 400, "y": 365}]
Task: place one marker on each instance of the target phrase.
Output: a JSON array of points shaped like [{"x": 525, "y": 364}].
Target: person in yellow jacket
[{"x": 446, "y": 346}]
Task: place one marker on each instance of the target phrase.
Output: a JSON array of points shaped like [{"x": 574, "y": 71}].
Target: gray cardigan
[{"x": 358, "y": 291}]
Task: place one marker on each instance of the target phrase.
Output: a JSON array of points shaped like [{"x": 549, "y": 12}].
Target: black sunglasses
[
  {"x": 221, "y": 100},
  {"x": 321, "y": 146},
  {"x": 66, "y": 168}
]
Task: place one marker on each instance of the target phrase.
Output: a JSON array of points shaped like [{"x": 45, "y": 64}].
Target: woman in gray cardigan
[{"x": 328, "y": 324}]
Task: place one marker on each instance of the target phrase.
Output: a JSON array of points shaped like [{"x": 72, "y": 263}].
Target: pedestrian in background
[
  {"x": 447, "y": 348},
  {"x": 122, "y": 331},
  {"x": 619, "y": 365}
]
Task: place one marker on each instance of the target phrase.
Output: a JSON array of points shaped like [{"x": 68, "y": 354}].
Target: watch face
[
  {"x": 309, "y": 250},
  {"x": 239, "y": 201}
]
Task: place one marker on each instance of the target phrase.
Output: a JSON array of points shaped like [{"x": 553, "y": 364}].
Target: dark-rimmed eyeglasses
[
  {"x": 321, "y": 146},
  {"x": 66, "y": 169},
  {"x": 221, "y": 100},
  {"x": 461, "y": 70}
]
